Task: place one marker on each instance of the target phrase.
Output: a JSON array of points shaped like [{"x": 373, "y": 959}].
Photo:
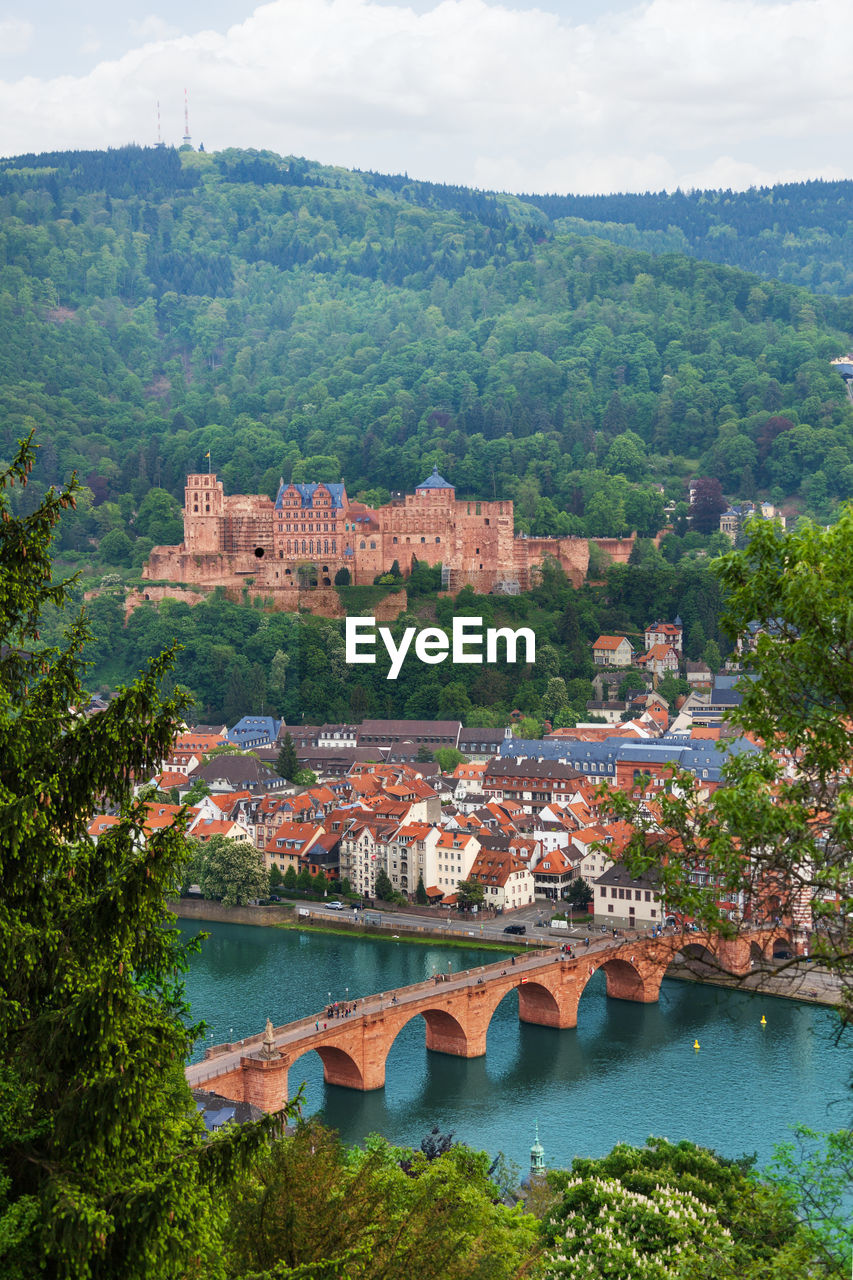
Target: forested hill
[
  {"x": 310, "y": 322},
  {"x": 800, "y": 232}
]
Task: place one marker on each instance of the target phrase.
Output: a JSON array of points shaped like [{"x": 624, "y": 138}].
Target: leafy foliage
[
  {"x": 298, "y": 321},
  {"x": 380, "y": 1212},
  {"x": 230, "y": 870},
  {"x": 670, "y": 1212}
]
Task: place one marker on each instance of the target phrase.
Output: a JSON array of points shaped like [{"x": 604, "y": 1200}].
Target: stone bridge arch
[
  {"x": 445, "y": 1033},
  {"x": 339, "y": 1066}
]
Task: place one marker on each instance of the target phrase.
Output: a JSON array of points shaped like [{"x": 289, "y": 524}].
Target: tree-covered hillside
[
  {"x": 310, "y": 322},
  {"x": 800, "y": 232}
]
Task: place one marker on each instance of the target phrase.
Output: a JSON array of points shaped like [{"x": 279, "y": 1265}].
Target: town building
[
  {"x": 612, "y": 651},
  {"x": 507, "y": 880},
  {"x": 627, "y": 903},
  {"x": 659, "y": 660},
  {"x": 669, "y": 633}
]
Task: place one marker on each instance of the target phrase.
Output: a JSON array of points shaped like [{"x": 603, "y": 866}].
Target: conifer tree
[
  {"x": 287, "y": 764},
  {"x": 104, "y": 1170}
]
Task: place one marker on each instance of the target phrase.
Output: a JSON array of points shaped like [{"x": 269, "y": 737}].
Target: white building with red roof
[
  {"x": 670, "y": 633},
  {"x": 660, "y": 660},
  {"x": 612, "y": 651},
  {"x": 506, "y": 879}
]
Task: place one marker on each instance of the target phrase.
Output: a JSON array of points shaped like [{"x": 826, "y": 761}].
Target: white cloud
[
  {"x": 16, "y": 37},
  {"x": 151, "y": 27},
  {"x": 671, "y": 92}
]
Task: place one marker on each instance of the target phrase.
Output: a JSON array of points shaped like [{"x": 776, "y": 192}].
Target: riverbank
[
  {"x": 372, "y": 923},
  {"x": 792, "y": 982}
]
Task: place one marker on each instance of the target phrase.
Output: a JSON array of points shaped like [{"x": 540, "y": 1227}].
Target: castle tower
[{"x": 203, "y": 510}]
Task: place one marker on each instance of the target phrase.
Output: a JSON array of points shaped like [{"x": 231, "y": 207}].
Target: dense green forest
[
  {"x": 311, "y": 322},
  {"x": 241, "y": 659}
]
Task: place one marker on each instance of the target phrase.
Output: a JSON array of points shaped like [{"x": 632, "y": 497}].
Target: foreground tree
[
  {"x": 672, "y": 1212},
  {"x": 315, "y": 1208},
  {"x": 777, "y": 839},
  {"x": 103, "y": 1168}
]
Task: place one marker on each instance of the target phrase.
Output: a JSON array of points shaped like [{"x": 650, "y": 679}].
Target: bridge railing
[{"x": 368, "y": 1004}]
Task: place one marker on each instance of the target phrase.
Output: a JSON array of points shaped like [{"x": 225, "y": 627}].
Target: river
[{"x": 627, "y": 1070}]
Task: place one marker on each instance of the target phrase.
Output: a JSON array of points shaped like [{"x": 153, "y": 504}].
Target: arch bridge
[{"x": 457, "y": 1011}]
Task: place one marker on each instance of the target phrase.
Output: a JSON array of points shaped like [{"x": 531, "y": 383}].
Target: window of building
[{"x": 610, "y": 906}]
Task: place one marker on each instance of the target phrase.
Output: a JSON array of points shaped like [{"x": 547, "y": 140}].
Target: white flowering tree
[
  {"x": 610, "y": 1230},
  {"x": 673, "y": 1212}
]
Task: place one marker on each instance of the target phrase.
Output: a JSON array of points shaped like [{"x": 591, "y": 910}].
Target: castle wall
[{"x": 313, "y": 529}]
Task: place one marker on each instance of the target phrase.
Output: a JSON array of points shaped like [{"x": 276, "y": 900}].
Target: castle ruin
[{"x": 311, "y": 531}]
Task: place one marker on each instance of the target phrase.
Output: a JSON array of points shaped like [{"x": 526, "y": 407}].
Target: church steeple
[{"x": 537, "y": 1157}]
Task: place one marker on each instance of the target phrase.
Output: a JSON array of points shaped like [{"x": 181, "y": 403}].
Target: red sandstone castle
[{"x": 311, "y": 531}]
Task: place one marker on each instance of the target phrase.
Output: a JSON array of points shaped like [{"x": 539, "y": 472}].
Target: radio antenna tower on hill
[
  {"x": 186, "y": 140},
  {"x": 160, "y": 142}
]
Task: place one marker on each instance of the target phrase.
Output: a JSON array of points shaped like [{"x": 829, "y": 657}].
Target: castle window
[
  {"x": 207, "y": 506},
  {"x": 195, "y": 508},
  {"x": 361, "y": 546},
  {"x": 394, "y": 540},
  {"x": 477, "y": 511},
  {"x": 334, "y": 546},
  {"x": 423, "y": 539},
  {"x": 373, "y": 546},
  {"x": 438, "y": 539}
]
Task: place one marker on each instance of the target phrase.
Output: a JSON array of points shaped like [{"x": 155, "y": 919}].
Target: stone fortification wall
[
  {"x": 229, "y": 540},
  {"x": 291, "y": 598},
  {"x": 572, "y": 554},
  {"x": 134, "y": 599},
  {"x": 619, "y": 549}
]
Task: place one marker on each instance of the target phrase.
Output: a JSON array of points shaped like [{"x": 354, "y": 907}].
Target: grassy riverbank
[{"x": 284, "y": 917}]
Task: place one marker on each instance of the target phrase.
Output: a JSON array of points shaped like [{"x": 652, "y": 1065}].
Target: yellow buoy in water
[
  {"x": 695, "y": 1044},
  {"x": 763, "y": 1020}
]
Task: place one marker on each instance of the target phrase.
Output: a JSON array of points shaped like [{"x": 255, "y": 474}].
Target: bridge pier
[
  {"x": 445, "y": 1035},
  {"x": 264, "y": 1081}
]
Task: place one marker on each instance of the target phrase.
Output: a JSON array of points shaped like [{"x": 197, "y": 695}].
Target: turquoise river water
[{"x": 626, "y": 1071}]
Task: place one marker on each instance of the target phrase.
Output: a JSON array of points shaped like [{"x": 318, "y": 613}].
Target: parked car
[
  {"x": 516, "y": 928},
  {"x": 335, "y": 906}
]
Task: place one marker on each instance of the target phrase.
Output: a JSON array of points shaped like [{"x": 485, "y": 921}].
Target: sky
[{"x": 556, "y": 96}]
